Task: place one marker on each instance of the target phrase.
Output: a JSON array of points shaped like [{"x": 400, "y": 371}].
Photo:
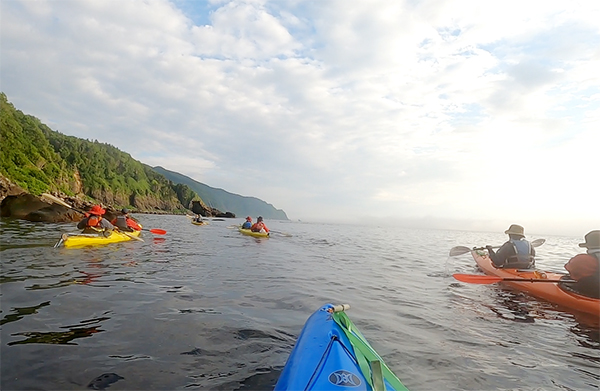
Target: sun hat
[
  {"x": 97, "y": 210},
  {"x": 249, "y": 218},
  {"x": 259, "y": 218},
  {"x": 592, "y": 240},
  {"x": 515, "y": 229}
]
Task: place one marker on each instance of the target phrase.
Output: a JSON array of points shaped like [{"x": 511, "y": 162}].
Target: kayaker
[
  {"x": 125, "y": 223},
  {"x": 94, "y": 222},
  {"x": 516, "y": 253},
  {"x": 259, "y": 226},
  {"x": 198, "y": 218},
  {"x": 248, "y": 223},
  {"x": 585, "y": 268}
]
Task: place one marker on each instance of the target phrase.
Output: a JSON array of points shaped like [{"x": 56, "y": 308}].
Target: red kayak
[{"x": 548, "y": 291}]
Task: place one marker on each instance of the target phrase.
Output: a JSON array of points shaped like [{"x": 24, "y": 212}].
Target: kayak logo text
[{"x": 344, "y": 378}]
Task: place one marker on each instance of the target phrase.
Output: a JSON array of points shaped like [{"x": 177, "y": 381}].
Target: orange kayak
[{"x": 548, "y": 291}]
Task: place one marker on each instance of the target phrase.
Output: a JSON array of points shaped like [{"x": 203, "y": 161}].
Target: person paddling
[
  {"x": 585, "y": 268},
  {"x": 126, "y": 223},
  {"x": 259, "y": 226},
  {"x": 516, "y": 253},
  {"x": 94, "y": 222},
  {"x": 248, "y": 223}
]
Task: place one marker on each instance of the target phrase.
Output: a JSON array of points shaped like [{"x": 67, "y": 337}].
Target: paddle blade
[
  {"x": 475, "y": 279},
  {"x": 158, "y": 231},
  {"x": 538, "y": 242},
  {"x": 459, "y": 250}
]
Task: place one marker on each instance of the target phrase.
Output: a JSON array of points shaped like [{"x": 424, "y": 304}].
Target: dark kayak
[{"x": 332, "y": 354}]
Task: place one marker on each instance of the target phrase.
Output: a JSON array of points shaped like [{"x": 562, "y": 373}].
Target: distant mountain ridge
[{"x": 241, "y": 206}]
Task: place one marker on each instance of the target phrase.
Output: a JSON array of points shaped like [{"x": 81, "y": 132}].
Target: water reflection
[
  {"x": 21, "y": 312},
  {"x": 526, "y": 309},
  {"x": 60, "y": 337}
]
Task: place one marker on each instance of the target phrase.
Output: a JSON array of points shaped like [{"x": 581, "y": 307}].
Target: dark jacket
[{"x": 585, "y": 269}]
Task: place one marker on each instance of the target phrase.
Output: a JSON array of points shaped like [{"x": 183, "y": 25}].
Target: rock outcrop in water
[{"x": 17, "y": 203}]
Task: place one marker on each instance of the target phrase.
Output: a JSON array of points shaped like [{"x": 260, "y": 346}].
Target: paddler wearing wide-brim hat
[
  {"x": 516, "y": 230},
  {"x": 592, "y": 240},
  {"x": 517, "y": 253},
  {"x": 585, "y": 268},
  {"x": 95, "y": 222}
]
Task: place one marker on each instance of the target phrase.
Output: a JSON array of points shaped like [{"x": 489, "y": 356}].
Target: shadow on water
[{"x": 249, "y": 353}]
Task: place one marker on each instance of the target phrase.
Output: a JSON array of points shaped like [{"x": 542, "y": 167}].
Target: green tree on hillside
[{"x": 40, "y": 160}]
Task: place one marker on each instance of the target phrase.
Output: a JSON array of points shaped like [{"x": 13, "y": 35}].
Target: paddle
[
  {"x": 460, "y": 250},
  {"x": 475, "y": 279},
  {"x": 157, "y": 231},
  {"x": 46, "y": 196},
  {"x": 281, "y": 233}
]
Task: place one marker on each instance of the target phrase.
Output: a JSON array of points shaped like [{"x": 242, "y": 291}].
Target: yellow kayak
[
  {"x": 81, "y": 240},
  {"x": 199, "y": 222},
  {"x": 255, "y": 234}
]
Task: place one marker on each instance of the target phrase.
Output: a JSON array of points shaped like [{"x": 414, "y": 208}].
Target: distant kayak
[
  {"x": 331, "y": 354},
  {"x": 101, "y": 238},
  {"x": 255, "y": 234},
  {"x": 199, "y": 222},
  {"x": 549, "y": 291}
]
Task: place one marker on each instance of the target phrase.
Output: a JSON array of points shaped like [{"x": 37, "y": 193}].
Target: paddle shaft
[
  {"x": 460, "y": 250},
  {"x": 476, "y": 279}
]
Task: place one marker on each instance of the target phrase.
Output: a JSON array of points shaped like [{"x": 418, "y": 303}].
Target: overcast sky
[{"x": 461, "y": 114}]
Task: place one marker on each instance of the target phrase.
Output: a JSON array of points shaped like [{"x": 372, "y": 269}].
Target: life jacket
[
  {"x": 583, "y": 265},
  {"x": 522, "y": 258},
  {"x": 584, "y": 269},
  {"x": 93, "y": 221},
  {"x": 258, "y": 227}
]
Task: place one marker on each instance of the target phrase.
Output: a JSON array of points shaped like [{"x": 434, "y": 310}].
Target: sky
[{"x": 459, "y": 114}]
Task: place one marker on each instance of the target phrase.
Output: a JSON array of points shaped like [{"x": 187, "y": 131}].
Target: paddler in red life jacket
[
  {"x": 517, "y": 253},
  {"x": 126, "y": 223},
  {"x": 94, "y": 221},
  {"x": 585, "y": 268},
  {"x": 259, "y": 226}
]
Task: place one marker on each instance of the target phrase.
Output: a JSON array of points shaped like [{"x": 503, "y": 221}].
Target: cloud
[{"x": 325, "y": 108}]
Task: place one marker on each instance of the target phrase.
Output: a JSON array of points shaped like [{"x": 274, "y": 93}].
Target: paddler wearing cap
[
  {"x": 126, "y": 223},
  {"x": 94, "y": 221},
  {"x": 585, "y": 268},
  {"x": 516, "y": 253},
  {"x": 248, "y": 223}
]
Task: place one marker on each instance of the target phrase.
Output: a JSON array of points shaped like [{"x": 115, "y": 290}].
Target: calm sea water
[{"x": 204, "y": 307}]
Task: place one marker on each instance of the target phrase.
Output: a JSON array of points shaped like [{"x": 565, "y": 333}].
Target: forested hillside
[{"x": 42, "y": 160}]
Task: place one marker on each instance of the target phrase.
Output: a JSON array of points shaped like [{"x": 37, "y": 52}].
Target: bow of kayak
[
  {"x": 82, "y": 240},
  {"x": 331, "y": 354},
  {"x": 549, "y": 291}
]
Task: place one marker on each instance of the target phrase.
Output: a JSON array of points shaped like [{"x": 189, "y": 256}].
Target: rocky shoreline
[{"x": 17, "y": 203}]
